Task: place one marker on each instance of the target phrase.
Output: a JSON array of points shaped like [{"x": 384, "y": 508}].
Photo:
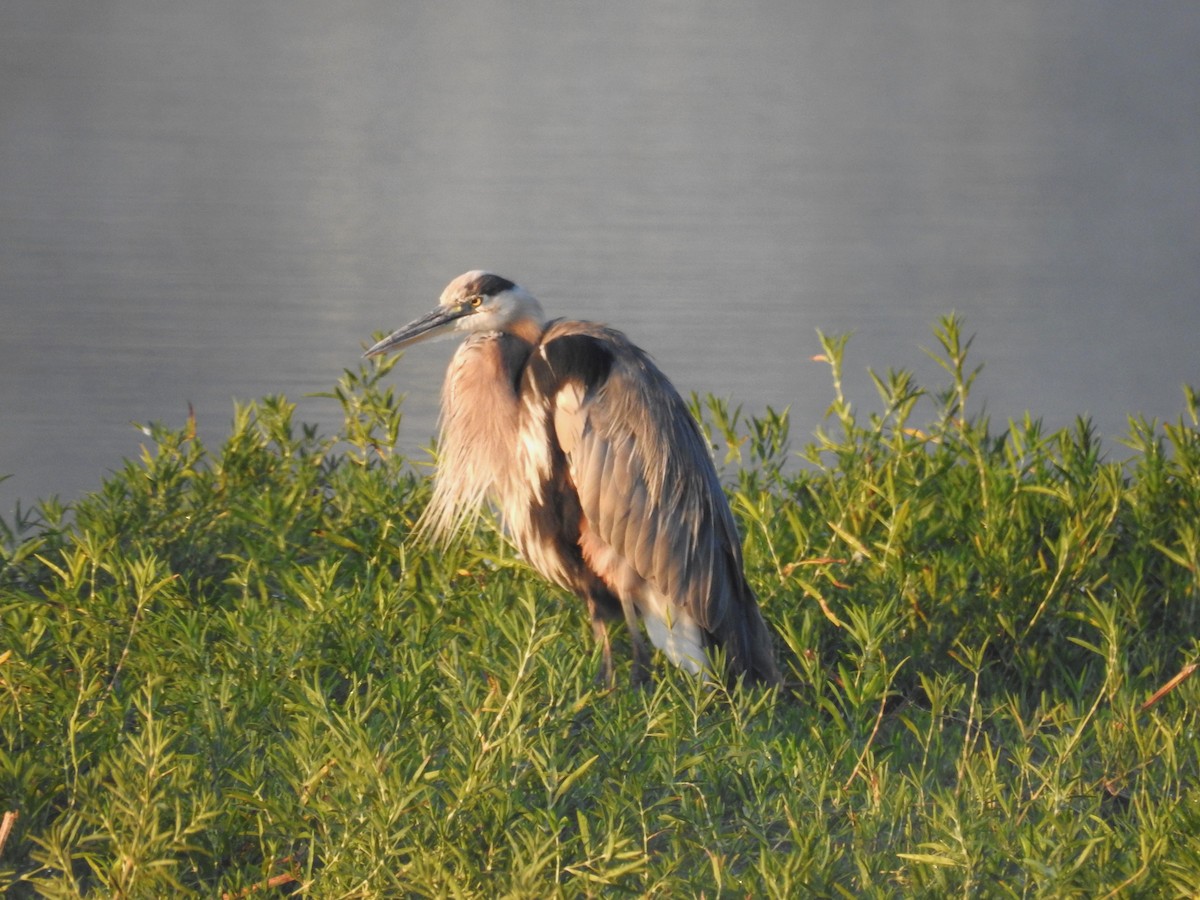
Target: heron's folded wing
[{"x": 643, "y": 472}]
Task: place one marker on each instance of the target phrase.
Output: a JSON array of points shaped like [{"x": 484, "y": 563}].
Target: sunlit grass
[{"x": 231, "y": 672}]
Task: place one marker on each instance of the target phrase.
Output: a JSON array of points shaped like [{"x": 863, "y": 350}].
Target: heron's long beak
[{"x": 429, "y": 325}]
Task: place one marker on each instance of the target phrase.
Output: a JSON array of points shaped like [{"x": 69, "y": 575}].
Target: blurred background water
[{"x": 218, "y": 200}]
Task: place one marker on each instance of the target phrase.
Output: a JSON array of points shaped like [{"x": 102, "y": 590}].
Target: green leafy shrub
[{"x": 234, "y": 671}]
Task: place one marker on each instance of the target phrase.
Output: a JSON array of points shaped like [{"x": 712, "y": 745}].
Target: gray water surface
[{"x": 218, "y": 200}]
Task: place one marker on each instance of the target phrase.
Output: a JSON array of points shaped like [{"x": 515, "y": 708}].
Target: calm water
[{"x": 203, "y": 201}]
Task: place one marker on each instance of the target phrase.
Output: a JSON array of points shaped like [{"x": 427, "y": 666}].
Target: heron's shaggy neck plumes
[{"x": 479, "y": 427}]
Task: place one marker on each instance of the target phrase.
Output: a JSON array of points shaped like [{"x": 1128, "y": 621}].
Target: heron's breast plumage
[{"x": 478, "y": 432}]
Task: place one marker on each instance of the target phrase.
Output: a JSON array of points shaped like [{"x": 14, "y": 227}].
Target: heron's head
[{"x": 473, "y": 302}]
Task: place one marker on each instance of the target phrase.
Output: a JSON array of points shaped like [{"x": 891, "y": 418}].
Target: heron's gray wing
[{"x": 643, "y": 472}]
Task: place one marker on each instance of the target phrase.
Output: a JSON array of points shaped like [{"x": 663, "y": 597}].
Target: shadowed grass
[{"x": 231, "y": 672}]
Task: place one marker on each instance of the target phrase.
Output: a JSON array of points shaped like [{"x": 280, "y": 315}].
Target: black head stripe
[{"x": 488, "y": 285}]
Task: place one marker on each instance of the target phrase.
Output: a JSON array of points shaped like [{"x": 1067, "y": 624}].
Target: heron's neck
[{"x": 527, "y": 329}]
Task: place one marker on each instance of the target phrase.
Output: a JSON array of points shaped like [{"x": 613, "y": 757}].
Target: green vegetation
[{"x": 232, "y": 673}]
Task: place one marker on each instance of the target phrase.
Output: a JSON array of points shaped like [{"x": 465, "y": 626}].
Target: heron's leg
[
  {"x": 600, "y": 632},
  {"x": 641, "y": 656}
]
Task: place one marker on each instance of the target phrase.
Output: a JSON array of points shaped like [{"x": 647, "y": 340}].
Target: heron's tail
[{"x": 747, "y": 642}]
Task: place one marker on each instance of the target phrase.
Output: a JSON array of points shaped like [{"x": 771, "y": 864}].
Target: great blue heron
[{"x": 601, "y": 476}]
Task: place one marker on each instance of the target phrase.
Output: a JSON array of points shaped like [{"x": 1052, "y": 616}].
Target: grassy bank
[{"x": 233, "y": 673}]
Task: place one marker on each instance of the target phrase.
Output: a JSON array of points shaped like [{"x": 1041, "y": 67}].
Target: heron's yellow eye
[{"x": 475, "y": 301}]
